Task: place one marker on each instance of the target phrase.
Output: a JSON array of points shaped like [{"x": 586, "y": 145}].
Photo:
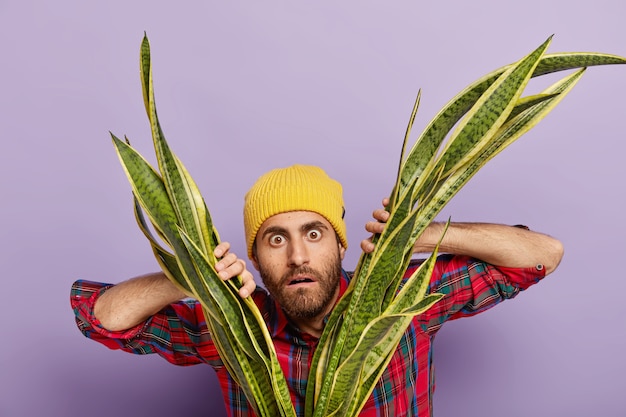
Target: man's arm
[
  {"x": 133, "y": 301},
  {"x": 496, "y": 244}
]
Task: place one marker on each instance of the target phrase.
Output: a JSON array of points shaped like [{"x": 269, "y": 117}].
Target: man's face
[{"x": 299, "y": 260}]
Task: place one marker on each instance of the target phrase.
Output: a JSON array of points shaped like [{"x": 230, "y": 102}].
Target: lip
[{"x": 300, "y": 280}]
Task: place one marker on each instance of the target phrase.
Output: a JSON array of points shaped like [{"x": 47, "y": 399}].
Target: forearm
[
  {"x": 131, "y": 302},
  {"x": 496, "y": 244}
]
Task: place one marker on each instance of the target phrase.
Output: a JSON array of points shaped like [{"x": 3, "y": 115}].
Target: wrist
[{"x": 429, "y": 238}]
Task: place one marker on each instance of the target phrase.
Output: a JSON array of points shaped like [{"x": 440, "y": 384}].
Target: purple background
[{"x": 242, "y": 88}]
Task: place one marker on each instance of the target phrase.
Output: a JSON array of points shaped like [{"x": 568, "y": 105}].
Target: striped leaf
[
  {"x": 182, "y": 190},
  {"x": 368, "y": 322},
  {"x": 430, "y": 140},
  {"x": 489, "y": 115},
  {"x": 177, "y": 212},
  {"x": 262, "y": 367},
  {"x": 366, "y": 302},
  {"x": 379, "y": 340}
]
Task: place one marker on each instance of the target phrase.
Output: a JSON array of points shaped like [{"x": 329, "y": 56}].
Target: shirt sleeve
[
  {"x": 178, "y": 333},
  {"x": 471, "y": 286}
]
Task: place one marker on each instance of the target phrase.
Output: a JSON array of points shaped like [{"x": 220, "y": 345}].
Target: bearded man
[{"x": 296, "y": 239}]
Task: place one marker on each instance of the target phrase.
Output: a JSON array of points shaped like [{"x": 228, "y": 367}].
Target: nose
[{"x": 298, "y": 253}]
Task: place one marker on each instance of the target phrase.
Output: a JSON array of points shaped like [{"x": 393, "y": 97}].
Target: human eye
[
  {"x": 314, "y": 234},
  {"x": 276, "y": 240}
]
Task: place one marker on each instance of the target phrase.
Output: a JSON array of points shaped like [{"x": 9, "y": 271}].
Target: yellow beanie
[{"x": 295, "y": 188}]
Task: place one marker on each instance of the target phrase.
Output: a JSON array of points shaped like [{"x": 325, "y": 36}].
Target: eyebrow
[{"x": 306, "y": 226}]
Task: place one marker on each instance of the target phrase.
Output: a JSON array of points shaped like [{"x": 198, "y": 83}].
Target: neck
[{"x": 314, "y": 327}]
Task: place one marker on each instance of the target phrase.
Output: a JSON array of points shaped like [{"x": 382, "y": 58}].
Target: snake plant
[{"x": 365, "y": 327}]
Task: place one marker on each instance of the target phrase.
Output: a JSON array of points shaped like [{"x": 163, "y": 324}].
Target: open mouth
[{"x": 300, "y": 280}]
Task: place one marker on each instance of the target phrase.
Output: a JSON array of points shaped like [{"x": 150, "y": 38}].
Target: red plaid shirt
[{"x": 179, "y": 334}]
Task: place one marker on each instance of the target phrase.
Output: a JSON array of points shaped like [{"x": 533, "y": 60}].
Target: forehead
[{"x": 293, "y": 220}]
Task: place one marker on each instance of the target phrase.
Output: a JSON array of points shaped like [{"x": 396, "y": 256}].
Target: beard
[{"x": 304, "y": 303}]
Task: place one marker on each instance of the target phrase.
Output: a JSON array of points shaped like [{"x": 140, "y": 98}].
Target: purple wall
[{"x": 245, "y": 88}]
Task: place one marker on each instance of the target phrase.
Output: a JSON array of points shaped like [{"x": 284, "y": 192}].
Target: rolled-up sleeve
[
  {"x": 471, "y": 286},
  {"x": 178, "y": 333}
]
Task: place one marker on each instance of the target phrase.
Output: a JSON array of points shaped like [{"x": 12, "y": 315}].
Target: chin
[{"x": 303, "y": 306}]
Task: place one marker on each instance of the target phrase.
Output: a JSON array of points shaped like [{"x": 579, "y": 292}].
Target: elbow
[
  {"x": 553, "y": 253},
  {"x": 111, "y": 319}
]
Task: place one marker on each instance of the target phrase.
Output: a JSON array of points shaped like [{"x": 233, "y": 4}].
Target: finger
[
  {"x": 232, "y": 270},
  {"x": 381, "y": 215},
  {"x": 367, "y": 246},
  {"x": 248, "y": 284},
  {"x": 375, "y": 227},
  {"x": 221, "y": 249},
  {"x": 225, "y": 262}
]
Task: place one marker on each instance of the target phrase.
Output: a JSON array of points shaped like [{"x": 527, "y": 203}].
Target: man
[{"x": 296, "y": 239}]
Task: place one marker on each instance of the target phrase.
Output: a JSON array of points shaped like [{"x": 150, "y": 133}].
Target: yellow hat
[{"x": 295, "y": 188}]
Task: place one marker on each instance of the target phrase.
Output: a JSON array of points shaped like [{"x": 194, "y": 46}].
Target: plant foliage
[{"x": 365, "y": 327}]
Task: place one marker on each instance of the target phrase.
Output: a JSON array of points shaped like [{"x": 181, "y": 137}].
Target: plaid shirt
[{"x": 179, "y": 334}]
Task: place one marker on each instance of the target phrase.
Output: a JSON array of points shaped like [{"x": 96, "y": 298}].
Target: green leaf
[
  {"x": 495, "y": 114},
  {"x": 504, "y": 137},
  {"x": 167, "y": 261},
  {"x": 488, "y": 113},
  {"x": 189, "y": 206},
  {"x": 148, "y": 188},
  {"x": 367, "y": 323},
  {"x": 262, "y": 365},
  {"x": 426, "y": 146},
  {"x": 177, "y": 212}
]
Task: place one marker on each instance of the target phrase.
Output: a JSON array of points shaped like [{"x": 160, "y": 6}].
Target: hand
[
  {"x": 375, "y": 227},
  {"x": 229, "y": 266}
]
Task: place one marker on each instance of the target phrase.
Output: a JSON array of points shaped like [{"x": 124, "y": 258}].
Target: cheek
[{"x": 270, "y": 260}]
